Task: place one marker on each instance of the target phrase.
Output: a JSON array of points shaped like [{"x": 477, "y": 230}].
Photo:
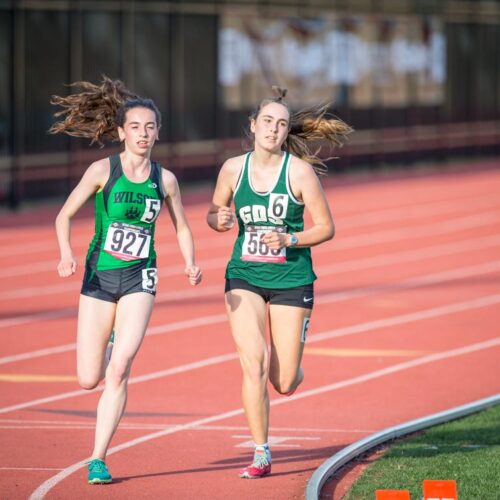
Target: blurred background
[{"x": 419, "y": 80}]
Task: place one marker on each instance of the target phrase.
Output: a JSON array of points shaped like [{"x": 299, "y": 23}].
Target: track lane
[{"x": 181, "y": 465}]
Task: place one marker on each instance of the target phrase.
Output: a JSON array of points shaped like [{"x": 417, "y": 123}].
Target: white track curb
[{"x": 335, "y": 462}]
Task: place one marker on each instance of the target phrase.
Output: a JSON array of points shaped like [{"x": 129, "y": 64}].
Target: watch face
[{"x": 293, "y": 240}]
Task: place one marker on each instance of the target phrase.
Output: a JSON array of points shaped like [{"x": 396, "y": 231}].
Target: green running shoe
[{"x": 98, "y": 472}]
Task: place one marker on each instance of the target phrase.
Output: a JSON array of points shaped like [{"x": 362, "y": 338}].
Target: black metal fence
[{"x": 417, "y": 79}]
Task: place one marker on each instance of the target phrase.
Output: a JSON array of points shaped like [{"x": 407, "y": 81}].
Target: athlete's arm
[
  {"x": 220, "y": 217},
  {"x": 182, "y": 229},
  {"x": 307, "y": 188},
  {"x": 92, "y": 180}
]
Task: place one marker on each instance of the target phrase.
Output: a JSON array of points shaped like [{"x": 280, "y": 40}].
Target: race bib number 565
[
  {"x": 127, "y": 242},
  {"x": 255, "y": 250}
]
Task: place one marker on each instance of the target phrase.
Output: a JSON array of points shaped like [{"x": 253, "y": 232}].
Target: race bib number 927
[{"x": 127, "y": 242}]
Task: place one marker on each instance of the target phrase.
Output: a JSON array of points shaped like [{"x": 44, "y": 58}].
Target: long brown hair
[
  {"x": 309, "y": 124},
  {"x": 96, "y": 111}
]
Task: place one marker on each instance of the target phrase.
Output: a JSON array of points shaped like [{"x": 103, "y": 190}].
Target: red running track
[{"x": 406, "y": 324}]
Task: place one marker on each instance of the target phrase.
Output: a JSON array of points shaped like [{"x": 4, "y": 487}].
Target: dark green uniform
[
  {"x": 125, "y": 215},
  {"x": 121, "y": 259},
  {"x": 276, "y": 210}
]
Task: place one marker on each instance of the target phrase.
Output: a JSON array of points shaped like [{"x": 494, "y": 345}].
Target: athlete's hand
[
  {"x": 274, "y": 240},
  {"x": 67, "y": 266},
  {"x": 194, "y": 274},
  {"x": 225, "y": 217}
]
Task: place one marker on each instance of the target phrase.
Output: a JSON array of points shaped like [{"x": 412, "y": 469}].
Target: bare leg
[
  {"x": 132, "y": 317},
  {"x": 95, "y": 321},
  {"x": 287, "y": 346},
  {"x": 247, "y": 317}
]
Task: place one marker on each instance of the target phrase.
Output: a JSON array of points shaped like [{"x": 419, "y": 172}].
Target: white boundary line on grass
[{"x": 335, "y": 462}]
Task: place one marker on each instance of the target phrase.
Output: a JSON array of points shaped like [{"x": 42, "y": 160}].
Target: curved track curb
[{"x": 335, "y": 462}]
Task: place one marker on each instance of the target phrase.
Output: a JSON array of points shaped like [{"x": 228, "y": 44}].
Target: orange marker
[
  {"x": 392, "y": 495},
  {"x": 440, "y": 489}
]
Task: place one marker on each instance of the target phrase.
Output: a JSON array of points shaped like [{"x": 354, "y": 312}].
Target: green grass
[{"x": 466, "y": 450}]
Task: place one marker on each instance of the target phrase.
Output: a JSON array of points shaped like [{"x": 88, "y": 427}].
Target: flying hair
[
  {"x": 95, "y": 112},
  {"x": 313, "y": 124}
]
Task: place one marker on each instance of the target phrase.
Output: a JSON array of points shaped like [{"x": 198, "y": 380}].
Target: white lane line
[
  {"x": 215, "y": 360},
  {"x": 207, "y": 291},
  {"x": 415, "y": 212},
  {"x": 74, "y": 286},
  {"x": 428, "y": 252},
  {"x": 402, "y": 233},
  {"x": 50, "y": 483},
  {"x": 424, "y": 280},
  {"x": 412, "y": 212},
  {"x": 222, "y": 428},
  {"x": 154, "y": 330},
  {"x": 336, "y": 267},
  {"x": 337, "y": 332},
  {"x": 37, "y": 317},
  {"x": 346, "y": 266},
  {"x": 407, "y": 318},
  {"x": 31, "y": 468}
]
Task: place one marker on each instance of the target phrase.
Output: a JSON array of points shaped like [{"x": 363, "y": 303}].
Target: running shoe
[
  {"x": 260, "y": 467},
  {"x": 98, "y": 472},
  {"x": 289, "y": 393}
]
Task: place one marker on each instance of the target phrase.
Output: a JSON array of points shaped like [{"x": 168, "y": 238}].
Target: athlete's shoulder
[
  {"x": 301, "y": 175},
  {"x": 98, "y": 171},
  {"x": 300, "y": 165},
  {"x": 169, "y": 180},
  {"x": 167, "y": 175},
  {"x": 101, "y": 165},
  {"x": 233, "y": 165},
  {"x": 300, "y": 168},
  {"x": 230, "y": 171}
]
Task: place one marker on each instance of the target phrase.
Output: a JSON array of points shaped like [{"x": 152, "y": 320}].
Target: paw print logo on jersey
[{"x": 132, "y": 213}]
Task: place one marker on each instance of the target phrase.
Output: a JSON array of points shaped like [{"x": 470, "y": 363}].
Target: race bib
[
  {"x": 149, "y": 279},
  {"x": 256, "y": 251},
  {"x": 127, "y": 242}
]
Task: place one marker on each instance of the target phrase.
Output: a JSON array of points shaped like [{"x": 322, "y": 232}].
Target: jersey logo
[
  {"x": 152, "y": 185},
  {"x": 132, "y": 213}
]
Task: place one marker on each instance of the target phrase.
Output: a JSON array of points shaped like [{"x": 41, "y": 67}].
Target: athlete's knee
[
  {"x": 117, "y": 372},
  {"x": 284, "y": 383},
  {"x": 88, "y": 381},
  {"x": 255, "y": 372}
]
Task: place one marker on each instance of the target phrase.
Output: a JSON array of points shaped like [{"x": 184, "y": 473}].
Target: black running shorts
[
  {"x": 298, "y": 296},
  {"x": 113, "y": 284}
]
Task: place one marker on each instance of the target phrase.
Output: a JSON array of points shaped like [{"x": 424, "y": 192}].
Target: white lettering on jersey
[
  {"x": 246, "y": 214},
  {"x": 275, "y": 212}
]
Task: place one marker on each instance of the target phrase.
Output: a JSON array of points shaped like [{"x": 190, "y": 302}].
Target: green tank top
[
  {"x": 125, "y": 215},
  {"x": 276, "y": 210}
]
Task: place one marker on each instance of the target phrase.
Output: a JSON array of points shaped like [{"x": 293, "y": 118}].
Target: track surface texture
[{"x": 405, "y": 324}]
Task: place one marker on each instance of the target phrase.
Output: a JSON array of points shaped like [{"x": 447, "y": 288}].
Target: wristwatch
[{"x": 293, "y": 240}]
